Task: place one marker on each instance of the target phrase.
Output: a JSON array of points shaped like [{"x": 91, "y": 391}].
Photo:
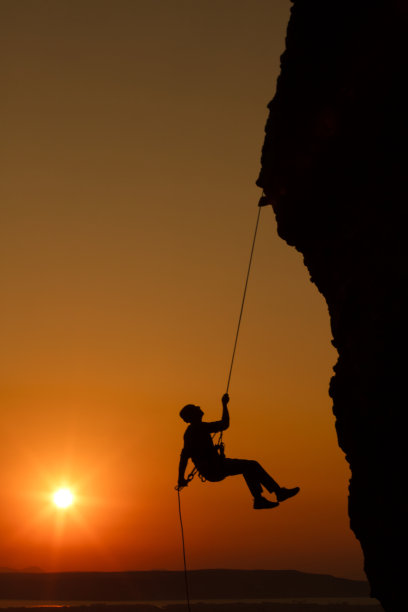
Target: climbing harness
[{"x": 220, "y": 444}]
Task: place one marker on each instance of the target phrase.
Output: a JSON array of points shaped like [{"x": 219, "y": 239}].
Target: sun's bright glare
[{"x": 63, "y": 498}]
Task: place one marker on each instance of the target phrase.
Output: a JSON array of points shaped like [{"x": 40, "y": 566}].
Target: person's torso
[{"x": 200, "y": 447}]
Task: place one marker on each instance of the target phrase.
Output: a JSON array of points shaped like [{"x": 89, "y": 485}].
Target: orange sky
[{"x": 131, "y": 142}]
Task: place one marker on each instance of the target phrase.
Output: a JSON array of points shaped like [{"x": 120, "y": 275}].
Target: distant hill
[
  {"x": 26, "y": 570},
  {"x": 169, "y": 585}
]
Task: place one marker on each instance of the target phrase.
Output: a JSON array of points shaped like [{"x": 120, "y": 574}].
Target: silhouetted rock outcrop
[{"x": 333, "y": 168}]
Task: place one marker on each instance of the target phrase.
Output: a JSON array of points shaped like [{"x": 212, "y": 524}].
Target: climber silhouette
[{"x": 214, "y": 466}]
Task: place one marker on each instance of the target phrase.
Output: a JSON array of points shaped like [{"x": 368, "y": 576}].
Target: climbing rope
[
  {"x": 220, "y": 444},
  {"x": 243, "y": 299},
  {"x": 184, "y": 552}
]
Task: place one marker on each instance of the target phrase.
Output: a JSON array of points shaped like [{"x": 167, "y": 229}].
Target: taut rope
[{"x": 219, "y": 443}]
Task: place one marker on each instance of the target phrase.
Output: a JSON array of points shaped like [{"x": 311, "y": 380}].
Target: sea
[{"x": 161, "y": 604}]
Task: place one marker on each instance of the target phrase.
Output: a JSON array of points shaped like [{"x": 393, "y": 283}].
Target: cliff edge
[{"x": 333, "y": 168}]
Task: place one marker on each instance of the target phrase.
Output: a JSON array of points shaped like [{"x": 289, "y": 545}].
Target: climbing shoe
[
  {"x": 283, "y": 493},
  {"x": 262, "y": 502}
]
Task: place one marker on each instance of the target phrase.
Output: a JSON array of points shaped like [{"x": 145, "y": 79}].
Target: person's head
[{"x": 191, "y": 413}]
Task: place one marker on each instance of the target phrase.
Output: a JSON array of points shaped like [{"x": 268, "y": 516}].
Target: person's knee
[{"x": 252, "y": 467}]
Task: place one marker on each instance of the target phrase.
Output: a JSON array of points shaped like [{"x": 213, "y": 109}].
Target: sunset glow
[
  {"x": 133, "y": 138},
  {"x": 63, "y": 498}
]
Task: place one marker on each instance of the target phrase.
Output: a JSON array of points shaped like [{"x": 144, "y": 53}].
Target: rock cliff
[{"x": 333, "y": 168}]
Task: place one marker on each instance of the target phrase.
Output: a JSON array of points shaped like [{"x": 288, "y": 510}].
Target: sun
[{"x": 63, "y": 498}]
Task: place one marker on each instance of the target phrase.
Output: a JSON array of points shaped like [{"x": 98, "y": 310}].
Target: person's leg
[
  {"x": 271, "y": 485},
  {"x": 255, "y": 477}
]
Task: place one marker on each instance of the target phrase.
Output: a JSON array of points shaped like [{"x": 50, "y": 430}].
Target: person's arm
[
  {"x": 182, "y": 482},
  {"x": 225, "y": 420}
]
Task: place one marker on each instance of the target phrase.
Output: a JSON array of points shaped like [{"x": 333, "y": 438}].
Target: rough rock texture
[{"x": 333, "y": 167}]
